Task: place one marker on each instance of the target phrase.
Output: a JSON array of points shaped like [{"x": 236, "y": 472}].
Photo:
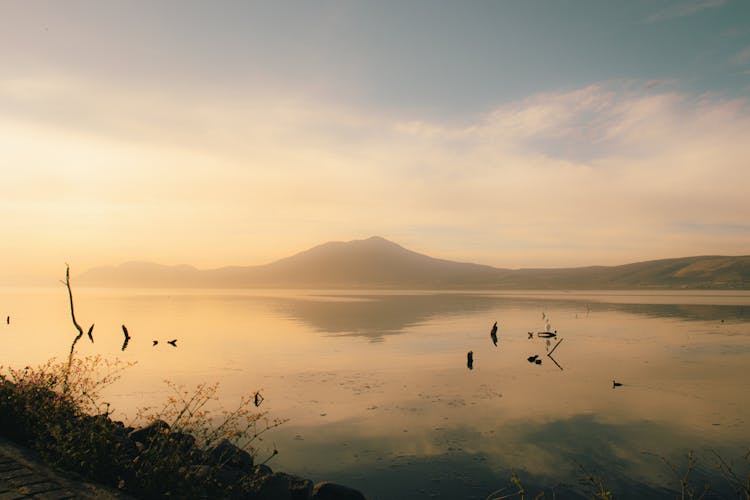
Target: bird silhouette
[
  {"x": 532, "y": 359},
  {"x": 127, "y": 337},
  {"x": 155, "y": 342},
  {"x": 173, "y": 342},
  {"x": 470, "y": 360},
  {"x": 493, "y": 333},
  {"x": 257, "y": 399},
  {"x": 531, "y": 335},
  {"x": 547, "y": 335},
  {"x": 7, "y": 320},
  {"x": 616, "y": 384},
  {"x": 90, "y": 333},
  {"x": 538, "y": 361}
]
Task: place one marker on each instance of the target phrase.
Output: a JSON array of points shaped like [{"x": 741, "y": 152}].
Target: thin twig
[
  {"x": 75, "y": 323},
  {"x": 553, "y": 349}
]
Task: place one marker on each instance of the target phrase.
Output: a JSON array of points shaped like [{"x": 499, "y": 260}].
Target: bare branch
[{"x": 75, "y": 323}]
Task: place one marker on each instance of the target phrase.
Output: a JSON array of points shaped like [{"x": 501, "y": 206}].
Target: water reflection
[
  {"x": 379, "y": 397},
  {"x": 466, "y": 461},
  {"x": 377, "y": 316}
]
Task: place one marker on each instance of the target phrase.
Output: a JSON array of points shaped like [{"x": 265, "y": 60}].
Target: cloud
[
  {"x": 684, "y": 9},
  {"x": 742, "y": 58},
  {"x": 606, "y": 173}
]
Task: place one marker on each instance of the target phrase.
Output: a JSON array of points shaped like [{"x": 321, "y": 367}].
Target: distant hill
[{"x": 379, "y": 263}]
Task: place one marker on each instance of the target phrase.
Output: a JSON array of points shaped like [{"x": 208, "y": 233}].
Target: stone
[
  {"x": 274, "y": 487},
  {"x": 147, "y": 433},
  {"x": 333, "y": 491},
  {"x": 300, "y": 488},
  {"x": 227, "y": 454},
  {"x": 262, "y": 470},
  {"x": 281, "y": 486}
]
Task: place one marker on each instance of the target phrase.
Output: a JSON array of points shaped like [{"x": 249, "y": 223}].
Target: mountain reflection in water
[
  {"x": 378, "y": 394},
  {"x": 375, "y": 316}
]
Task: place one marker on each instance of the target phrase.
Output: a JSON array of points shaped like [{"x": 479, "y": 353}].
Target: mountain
[{"x": 379, "y": 263}]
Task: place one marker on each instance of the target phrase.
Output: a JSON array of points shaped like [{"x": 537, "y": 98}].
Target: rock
[
  {"x": 262, "y": 470},
  {"x": 228, "y": 478},
  {"x": 281, "y": 486},
  {"x": 228, "y": 455},
  {"x": 274, "y": 487},
  {"x": 195, "y": 472},
  {"x": 333, "y": 491},
  {"x": 300, "y": 489},
  {"x": 182, "y": 441},
  {"x": 147, "y": 433}
]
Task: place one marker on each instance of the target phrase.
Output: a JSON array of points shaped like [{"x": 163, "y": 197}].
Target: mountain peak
[{"x": 377, "y": 262}]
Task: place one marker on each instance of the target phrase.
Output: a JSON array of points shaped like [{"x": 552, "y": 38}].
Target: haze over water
[{"x": 378, "y": 394}]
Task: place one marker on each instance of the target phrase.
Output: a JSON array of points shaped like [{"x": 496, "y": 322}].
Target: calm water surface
[{"x": 379, "y": 396}]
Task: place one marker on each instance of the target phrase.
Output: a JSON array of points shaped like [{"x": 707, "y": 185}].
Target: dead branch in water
[{"x": 75, "y": 323}]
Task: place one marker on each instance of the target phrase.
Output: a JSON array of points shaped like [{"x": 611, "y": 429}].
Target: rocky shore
[{"x": 154, "y": 461}]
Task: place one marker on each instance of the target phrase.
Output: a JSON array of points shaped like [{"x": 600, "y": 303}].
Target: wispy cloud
[
  {"x": 683, "y": 9},
  {"x": 605, "y": 174},
  {"x": 742, "y": 58}
]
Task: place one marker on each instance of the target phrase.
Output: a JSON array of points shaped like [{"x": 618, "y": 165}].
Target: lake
[{"x": 379, "y": 396}]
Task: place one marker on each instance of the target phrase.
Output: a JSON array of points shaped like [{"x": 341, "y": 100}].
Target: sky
[{"x": 509, "y": 133}]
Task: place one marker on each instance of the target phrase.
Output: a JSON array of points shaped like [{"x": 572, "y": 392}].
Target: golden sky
[{"x": 186, "y": 136}]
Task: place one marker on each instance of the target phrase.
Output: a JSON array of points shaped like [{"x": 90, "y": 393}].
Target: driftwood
[{"x": 75, "y": 323}]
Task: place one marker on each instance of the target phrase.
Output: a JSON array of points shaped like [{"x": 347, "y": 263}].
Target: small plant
[
  {"x": 688, "y": 490},
  {"x": 188, "y": 442},
  {"x": 55, "y": 409},
  {"x": 740, "y": 485},
  {"x": 596, "y": 487},
  {"x": 184, "y": 451},
  {"x": 520, "y": 492}
]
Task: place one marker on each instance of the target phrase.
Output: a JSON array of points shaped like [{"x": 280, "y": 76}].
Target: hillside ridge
[{"x": 376, "y": 262}]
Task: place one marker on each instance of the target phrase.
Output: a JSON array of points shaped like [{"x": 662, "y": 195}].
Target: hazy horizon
[
  {"x": 514, "y": 135},
  {"x": 299, "y": 251}
]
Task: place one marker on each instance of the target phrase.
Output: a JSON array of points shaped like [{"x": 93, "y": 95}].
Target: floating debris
[{"x": 127, "y": 337}]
